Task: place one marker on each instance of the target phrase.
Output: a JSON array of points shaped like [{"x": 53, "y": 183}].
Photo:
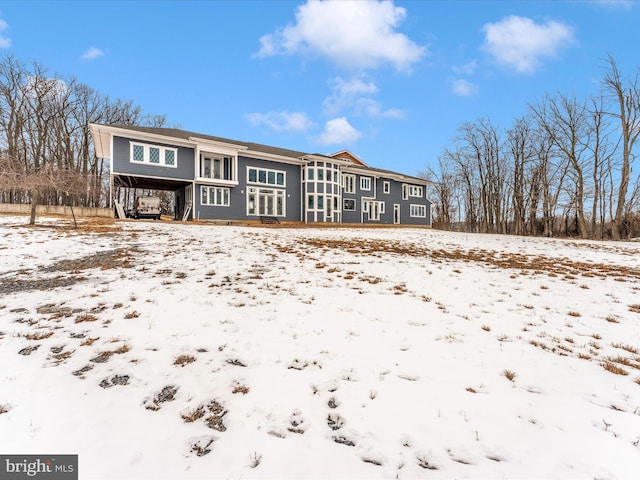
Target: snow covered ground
[{"x": 166, "y": 350}]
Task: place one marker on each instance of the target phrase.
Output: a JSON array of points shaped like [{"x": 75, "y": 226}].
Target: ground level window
[
  {"x": 266, "y": 202},
  {"x": 217, "y": 196},
  {"x": 418, "y": 211},
  {"x": 349, "y": 204}
]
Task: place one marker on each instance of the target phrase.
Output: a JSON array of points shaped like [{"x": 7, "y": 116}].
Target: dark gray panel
[{"x": 121, "y": 161}]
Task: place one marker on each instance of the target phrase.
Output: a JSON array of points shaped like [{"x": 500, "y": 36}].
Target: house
[{"x": 223, "y": 179}]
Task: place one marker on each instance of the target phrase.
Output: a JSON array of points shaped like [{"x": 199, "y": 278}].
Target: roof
[{"x": 186, "y": 135}]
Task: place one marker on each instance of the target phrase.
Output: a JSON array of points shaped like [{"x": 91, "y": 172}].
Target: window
[
  {"x": 415, "y": 191},
  {"x": 349, "y": 183},
  {"x": 374, "y": 211},
  {"x": 321, "y": 174},
  {"x": 217, "y": 196},
  {"x": 311, "y": 202},
  {"x": 386, "y": 187},
  {"x": 405, "y": 191},
  {"x": 349, "y": 204},
  {"x": 216, "y": 167},
  {"x": 365, "y": 183},
  {"x": 310, "y": 173},
  {"x": 381, "y": 207},
  {"x": 266, "y": 177},
  {"x": 418, "y": 211},
  {"x": 153, "y": 155},
  {"x": 262, "y": 201}
]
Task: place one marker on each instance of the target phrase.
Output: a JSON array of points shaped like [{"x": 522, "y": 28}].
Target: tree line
[
  {"x": 46, "y": 150},
  {"x": 564, "y": 167}
]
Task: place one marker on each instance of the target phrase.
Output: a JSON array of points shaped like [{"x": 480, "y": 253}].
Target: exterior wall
[
  {"x": 237, "y": 209},
  {"x": 121, "y": 161},
  {"x": 394, "y": 197},
  {"x": 296, "y": 190}
]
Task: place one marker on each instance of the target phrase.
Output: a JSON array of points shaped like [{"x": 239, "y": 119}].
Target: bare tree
[
  {"x": 564, "y": 121},
  {"x": 626, "y": 96}
]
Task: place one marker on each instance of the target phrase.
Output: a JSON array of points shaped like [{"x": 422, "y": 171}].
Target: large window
[
  {"x": 216, "y": 167},
  {"x": 418, "y": 211},
  {"x": 266, "y": 177},
  {"x": 154, "y": 155},
  {"x": 266, "y": 202},
  {"x": 365, "y": 183},
  {"x": 218, "y": 196},
  {"x": 349, "y": 183}
]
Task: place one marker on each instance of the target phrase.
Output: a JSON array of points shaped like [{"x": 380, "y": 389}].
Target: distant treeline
[
  {"x": 45, "y": 143},
  {"x": 562, "y": 168}
]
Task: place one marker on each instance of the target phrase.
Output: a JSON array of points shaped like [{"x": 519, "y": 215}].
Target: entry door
[
  {"x": 396, "y": 213},
  {"x": 265, "y": 204}
]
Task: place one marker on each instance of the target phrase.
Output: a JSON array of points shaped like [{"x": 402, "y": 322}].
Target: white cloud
[
  {"x": 338, "y": 132},
  {"x": 5, "y": 42},
  {"x": 345, "y": 93},
  {"x": 355, "y": 94},
  {"x": 520, "y": 43},
  {"x": 467, "y": 68},
  {"x": 464, "y": 88},
  {"x": 92, "y": 54},
  {"x": 373, "y": 109},
  {"x": 282, "y": 121},
  {"x": 350, "y": 33}
]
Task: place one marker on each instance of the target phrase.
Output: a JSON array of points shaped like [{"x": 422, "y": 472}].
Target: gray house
[{"x": 223, "y": 179}]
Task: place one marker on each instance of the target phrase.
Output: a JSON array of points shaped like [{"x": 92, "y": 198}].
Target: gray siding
[
  {"x": 237, "y": 209},
  {"x": 393, "y": 197},
  {"x": 121, "y": 161}
]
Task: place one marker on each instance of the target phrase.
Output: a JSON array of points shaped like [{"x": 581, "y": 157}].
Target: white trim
[
  {"x": 349, "y": 181},
  {"x": 275, "y": 192},
  {"x": 353, "y": 200},
  {"x": 138, "y": 135},
  {"x": 267, "y": 170},
  {"x": 420, "y": 213},
  {"x": 218, "y": 146},
  {"x": 215, "y": 196},
  {"x": 364, "y": 180},
  {"x": 146, "y": 154},
  {"x": 274, "y": 157},
  {"x": 416, "y": 191}
]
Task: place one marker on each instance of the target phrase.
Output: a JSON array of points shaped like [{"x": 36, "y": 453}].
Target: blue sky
[{"x": 391, "y": 80}]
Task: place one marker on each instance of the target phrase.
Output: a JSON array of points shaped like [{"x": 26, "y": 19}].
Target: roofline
[{"x": 103, "y": 144}]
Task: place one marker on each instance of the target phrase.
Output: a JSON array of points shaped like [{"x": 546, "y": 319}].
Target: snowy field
[{"x": 163, "y": 350}]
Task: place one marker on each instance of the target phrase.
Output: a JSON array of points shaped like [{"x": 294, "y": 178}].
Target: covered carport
[{"x": 182, "y": 190}]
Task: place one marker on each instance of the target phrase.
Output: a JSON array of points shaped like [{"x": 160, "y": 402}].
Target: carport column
[{"x": 111, "y": 205}]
